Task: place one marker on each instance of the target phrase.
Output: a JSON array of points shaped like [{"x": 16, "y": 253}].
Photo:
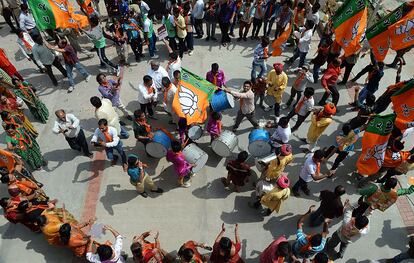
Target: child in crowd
[
  {"x": 259, "y": 90},
  {"x": 182, "y": 168},
  {"x": 238, "y": 171},
  {"x": 214, "y": 125}
]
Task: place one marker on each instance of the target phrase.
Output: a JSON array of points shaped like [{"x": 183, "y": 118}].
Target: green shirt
[
  {"x": 367, "y": 192},
  {"x": 169, "y": 26}
]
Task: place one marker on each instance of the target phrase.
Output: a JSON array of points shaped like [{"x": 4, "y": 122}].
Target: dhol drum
[
  {"x": 193, "y": 154},
  {"x": 224, "y": 144},
  {"x": 260, "y": 163},
  {"x": 221, "y": 101},
  {"x": 159, "y": 145},
  {"x": 195, "y": 132},
  {"x": 259, "y": 143}
]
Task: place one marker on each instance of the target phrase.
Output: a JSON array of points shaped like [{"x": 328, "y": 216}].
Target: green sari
[
  {"x": 33, "y": 102},
  {"x": 28, "y": 149}
]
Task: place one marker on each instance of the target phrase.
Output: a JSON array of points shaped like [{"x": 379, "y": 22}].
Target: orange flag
[
  {"x": 279, "y": 43},
  {"x": 192, "y": 97},
  {"x": 374, "y": 144},
  {"x": 402, "y": 32},
  {"x": 349, "y": 22},
  {"x": 7, "y": 160},
  {"x": 403, "y": 102}
]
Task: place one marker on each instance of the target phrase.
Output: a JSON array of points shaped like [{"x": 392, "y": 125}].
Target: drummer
[
  {"x": 282, "y": 133},
  {"x": 275, "y": 168},
  {"x": 183, "y": 169},
  {"x": 142, "y": 130}
]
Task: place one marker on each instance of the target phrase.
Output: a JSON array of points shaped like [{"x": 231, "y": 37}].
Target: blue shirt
[
  {"x": 301, "y": 241},
  {"x": 351, "y": 146},
  {"x": 134, "y": 172},
  {"x": 131, "y": 29}
]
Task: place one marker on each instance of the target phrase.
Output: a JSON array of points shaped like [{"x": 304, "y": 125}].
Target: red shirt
[
  {"x": 217, "y": 258},
  {"x": 330, "y": 77}
]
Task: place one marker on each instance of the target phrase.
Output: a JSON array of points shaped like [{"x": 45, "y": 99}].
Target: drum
[
  {"x": 266, "y": 160},
  {"x": 221, "y": 101},
  {"x": 193, "y": 154},
  {"x": 259, "y": 143},
  {"x": 159, "y": 145},
  {"x": 195, "y": 132},
  {"x": 224, "y": 144}
]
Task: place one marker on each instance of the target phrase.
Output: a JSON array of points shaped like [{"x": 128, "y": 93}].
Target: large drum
[
  {"x": 265, "y": 160},
  {"x": 221, "y": 101},
  {"x": 224, "y": 144},
  {"x": 159, "y": 145},
  {"x": 259, "y": 143},
  {"x": 195, "y": 132},
  {"x": 193, "y": 154}
]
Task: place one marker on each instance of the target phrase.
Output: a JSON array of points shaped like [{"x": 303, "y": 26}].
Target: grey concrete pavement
[{"x": 197, "y": 212}]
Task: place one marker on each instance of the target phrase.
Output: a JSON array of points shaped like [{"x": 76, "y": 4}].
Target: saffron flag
[
  {"x": 403, "y": 101},
  {"x": 192, "y": 97},
  {"x": 52, "y": 14},
  {"x": 379, "y": 36},
  {"x": 402, "y": 32},
  {"x": 279, "y": 43},
  {"x": 349, "y": 23},
  {"x": 374, "y": 144}
]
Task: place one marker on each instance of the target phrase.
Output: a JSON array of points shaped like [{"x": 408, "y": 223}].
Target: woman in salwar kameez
[
  {"x": 25, "y": 91},
  {"x": 72, "y": 236},
  {"x": 13, "y": 105},
  {"x": 25, "y": 146}
]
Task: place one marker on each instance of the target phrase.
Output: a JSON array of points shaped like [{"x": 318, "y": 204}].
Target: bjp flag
[
  {"x": 379, "y": 35},
  {"x": 402, "y": 32},
  {"x": 403, "y": 102},
  {"x": 374, "y": 144},
  {"x": 349, "y": 23},
  {"x": 52, "y": 14},
  {"x": 279, "y": 43},
  {"x": 192, "y": 97}
]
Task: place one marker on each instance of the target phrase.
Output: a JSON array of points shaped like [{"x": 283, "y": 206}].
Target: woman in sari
[
  {"x": 6, "y": 84},
  {"x": 72, "y": 236},
  {"x": 25, "y": 91},
  {"x": 50, "y": 222},
  {"x": 14, "y": 215},
  {"x": 13, "y": 105},
  {"x": 26, "y": 185},
  {"x": 25, "y": 146}
]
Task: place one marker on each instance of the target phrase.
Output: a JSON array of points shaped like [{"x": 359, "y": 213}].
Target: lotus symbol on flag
[
  {"x": 188, "y": 101},
  {"x": 377, "y": 152}
]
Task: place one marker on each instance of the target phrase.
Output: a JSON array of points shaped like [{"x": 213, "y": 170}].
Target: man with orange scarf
[
  {"x": 310, "y": 171},
  {"x": 306, "y": 246},
  {"x": 329, "y": 79},
  {"x": 107, "y": 136},
  {"x": 142, "y": 130},
  {"x": 7, "y": 66}
]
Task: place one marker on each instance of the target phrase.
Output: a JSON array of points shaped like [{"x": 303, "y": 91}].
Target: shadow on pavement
[{"x": 115, "y": 197}]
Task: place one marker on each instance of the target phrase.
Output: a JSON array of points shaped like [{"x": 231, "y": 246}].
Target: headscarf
[{"x": 278, "y": 66}]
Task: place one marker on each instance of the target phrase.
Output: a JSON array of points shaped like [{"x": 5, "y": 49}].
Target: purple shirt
[
  {"x": 220, "y": 79},
  {"x": 181, "y": 166},
  {"x": 213, "y": 127},
  {"x": 108, "y": 93},
  {"x": 226, "y": 11}
]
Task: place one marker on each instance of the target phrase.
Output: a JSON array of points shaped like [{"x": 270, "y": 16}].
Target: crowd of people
[{"x": 131, "y": 25}]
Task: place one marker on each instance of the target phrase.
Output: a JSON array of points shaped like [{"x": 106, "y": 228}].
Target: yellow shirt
[
  {"x": 317, "y": 127},
  {"x": 276, "y": 167},
  {"x": 180, "y": 23},
  {"x": 277, "y": 84}
]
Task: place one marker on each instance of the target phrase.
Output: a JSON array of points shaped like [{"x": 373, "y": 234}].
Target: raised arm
[
  {"x": 220, "y": 235},
  {"x": 303, "y": 217}
]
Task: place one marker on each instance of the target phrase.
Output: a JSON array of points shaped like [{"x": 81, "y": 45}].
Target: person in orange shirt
[
  {"x": 394, "y": 157},
  {"x": 7, "y": 66},
  {"x": 188, "y": 252},
  {"x": 144, "y": 251}
]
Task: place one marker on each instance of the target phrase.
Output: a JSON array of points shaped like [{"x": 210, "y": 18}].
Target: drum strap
[{"x": 166, "y": 132}]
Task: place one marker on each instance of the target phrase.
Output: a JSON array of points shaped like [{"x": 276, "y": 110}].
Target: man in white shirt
[
  {"x": 105, "y": 110},
  {"x": 143, "y": 7},
  {"x": 26, "y": 43},
  {"x": 304, "y": 37},
  {"x": 107, "y": 136},
  {"x": 169, "y": 93},
  {"x": 174, "y": 63},
  {"x": 310, "y": 172},
  {"x": 68, "y": 125},
  {"x": 354, "y": 226},
  {"x": 303, "y": 108},
  {"x": 147, "y": 95},
  {"x": 198, "y": 14},
  {"x": 157, "y": 72},
  {"x": 106, "y": 253},
  {"x": 27, "y": 22},
  {"x": 282, "y": 133}
]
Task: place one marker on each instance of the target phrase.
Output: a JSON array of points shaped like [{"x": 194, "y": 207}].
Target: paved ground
[{"x": 93, "y": 188}]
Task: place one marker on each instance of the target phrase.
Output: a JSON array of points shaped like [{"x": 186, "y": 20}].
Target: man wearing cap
[
  {"x": 319, "y": 122},
  {"x": 273, "y": 199},
  {"x": 277, "y": 81}
]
